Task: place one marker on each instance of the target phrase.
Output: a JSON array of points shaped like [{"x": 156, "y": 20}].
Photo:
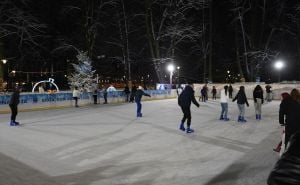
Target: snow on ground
[{"x": 108, "y": 145}]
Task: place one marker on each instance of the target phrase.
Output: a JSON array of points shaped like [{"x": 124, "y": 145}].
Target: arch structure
[{"x": 50, "y": 80}]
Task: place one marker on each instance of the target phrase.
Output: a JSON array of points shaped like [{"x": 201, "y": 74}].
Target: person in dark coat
[
  {"x": 138, "y": 97},
  {"x": 95, "y": 96},
  {"x": 258, "y": 97},
  {"x": 184, "y": 101},
  {"x": 132, "y": 94},
  {"x": 13, "y": 104},
  {"x": 104, "y": 90},
  {"x": 214, "y": 93},
  {"x": 230, "y": 90},
  {"x": 127, "y": 93},
  {"x": 289, "y": 114},
  {"x": 287, "y": 168},
  {"x": 284, "y": 97},
  {"x": 241, "y": 101}
]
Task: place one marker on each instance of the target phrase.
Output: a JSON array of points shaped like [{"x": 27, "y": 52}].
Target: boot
[
  {"x": 181, "y": 127},
  {"x": 259, "y": 116},
  {"x": 17, "y": 123},
  {"x": 189, "y": 130},
  {"x": 12, "y": 123},
  {"x": 221, "y": 117},
  {"x": 240, "y": 119},
  {"x": 226, "y": 119},
  {"x": 243, "y": 119},
  {"x": 256, "y": 116}
]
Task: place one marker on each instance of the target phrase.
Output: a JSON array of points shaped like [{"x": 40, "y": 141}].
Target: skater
[
  {"x": 241, "y": 101},
  {"x": 224, "y": 103},
  {"x": 95, "y": 96},
  {"x": 203, "y": 94},
  {"x": 138, "y": 97},
  {"x": 184, "y": 101},
  {"x": 104, "y": 90},
  {"x": 258, "y": 97},
  {"x": 284, "y": 97},
  {"x": 127, "y": 93},
  {"x": 76, "y": 95},
  {"x": 268, "y": 93},
  {"x": 289, "y": 114},
  {"x": 13, "y": 104},
  {"x": 214, "y": 93},
  {"x": 230, "y": 90},
  {"x": 132, "y": 94}
]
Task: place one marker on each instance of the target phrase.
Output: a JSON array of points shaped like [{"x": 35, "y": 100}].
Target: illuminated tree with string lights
[{"x": 84, "y": 76}]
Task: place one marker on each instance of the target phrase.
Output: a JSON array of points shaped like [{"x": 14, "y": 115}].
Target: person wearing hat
[
  {"x": 138, "y": 97},
  {"x": 13, "y": 104}
]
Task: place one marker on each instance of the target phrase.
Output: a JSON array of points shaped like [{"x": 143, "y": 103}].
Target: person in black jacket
[
  {"x": 258, "y": 97},
  {"x": 127, "y": 93},
  {"x": 289, "y": 114},
  {"x": 287, "y": 168},
  {"x": 138, "y": 97},
  {"x": 13, "y": 104},
  {"x": 184, "y": 101},
  {"x": 241, "y": 101},
  {"x": 230, "y": 90}
]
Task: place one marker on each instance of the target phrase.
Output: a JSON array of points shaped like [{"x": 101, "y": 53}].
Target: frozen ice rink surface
[{"x": 108, "y": 145}]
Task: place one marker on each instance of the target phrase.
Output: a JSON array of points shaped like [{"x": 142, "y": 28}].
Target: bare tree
[{"x": 172, "y": 27}]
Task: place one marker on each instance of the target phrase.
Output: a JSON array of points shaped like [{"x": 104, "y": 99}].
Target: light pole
[
  {"x": 279, "y": 65},
  {"x": 178, "y": 68},
  {"x": 171, "y": 69}
]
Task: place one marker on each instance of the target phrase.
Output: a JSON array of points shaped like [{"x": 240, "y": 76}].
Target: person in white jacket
[
  {"x": 76, "y": 95},
  {"x": 224, "y": 97}
]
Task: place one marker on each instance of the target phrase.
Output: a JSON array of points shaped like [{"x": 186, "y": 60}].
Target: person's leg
[
  {"x": 243, "y": 113},
  {"x": 189, "y": 119},
  {"x": 240, "y": 112},
  {"x": 181, "y": 127},
  {"x": 225, "y": 112},
  {"x": 256, "y": 109},
  {"x": 222, "y": 111},
  {"x": 14, "y": 112},
  {"x": 95, "y": 99},
  {"x": 259, "y": 101},
  {"x": 138, "y": 109},
  {"x": 105, "y": 99}
]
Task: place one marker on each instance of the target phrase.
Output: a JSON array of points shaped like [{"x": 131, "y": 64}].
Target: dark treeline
[{"x": 136, "y": 38}]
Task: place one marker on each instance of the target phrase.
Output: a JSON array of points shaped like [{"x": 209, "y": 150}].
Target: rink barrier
[{"x": 42, "y": 101}]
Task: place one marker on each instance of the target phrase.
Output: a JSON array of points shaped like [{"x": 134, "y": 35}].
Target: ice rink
[{"x": 108, "y": 145}]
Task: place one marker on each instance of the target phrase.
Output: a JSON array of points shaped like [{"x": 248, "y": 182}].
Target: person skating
[
  {"x": 214, "y": 93},
  {"x": 138, "y": 97},
  {"x": 184, "y": 101},
  {"x": 127, "y": 93},
  {"x": 241, "y": 101},
  {"x": 76, "y": 95},
  {"x": 13, "y": 104},
  {"x": 258, "y": 97},
  {"x": 289, "y": 114},
  {"x": 224, "y": 103}
]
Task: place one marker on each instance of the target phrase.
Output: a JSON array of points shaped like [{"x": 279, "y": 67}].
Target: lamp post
[
  {"x": 279, "y": 65},
  {"x": 178, "y": 77},
  {"x": 171, "y": 69}
]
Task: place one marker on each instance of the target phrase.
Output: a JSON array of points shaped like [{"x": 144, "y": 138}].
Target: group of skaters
[{"x": 287, "y": 168}]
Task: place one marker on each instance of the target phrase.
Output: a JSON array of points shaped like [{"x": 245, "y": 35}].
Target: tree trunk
[{"x": 210, "y": 77}]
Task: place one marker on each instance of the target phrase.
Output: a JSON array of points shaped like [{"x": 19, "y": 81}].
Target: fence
[{"x": 64, "y": 99}]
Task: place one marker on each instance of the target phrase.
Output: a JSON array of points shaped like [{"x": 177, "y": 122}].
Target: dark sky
[{"x": 274, "y": 37}]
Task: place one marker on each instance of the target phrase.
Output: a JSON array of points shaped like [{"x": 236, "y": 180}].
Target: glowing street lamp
[
  {"x": 178, "y": 68},
  {"x": 279, "y": 65},
  {"x": 171, "y": 69}
]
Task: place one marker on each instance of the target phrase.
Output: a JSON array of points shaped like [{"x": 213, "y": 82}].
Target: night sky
[{"x": 37, "y": 38}]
